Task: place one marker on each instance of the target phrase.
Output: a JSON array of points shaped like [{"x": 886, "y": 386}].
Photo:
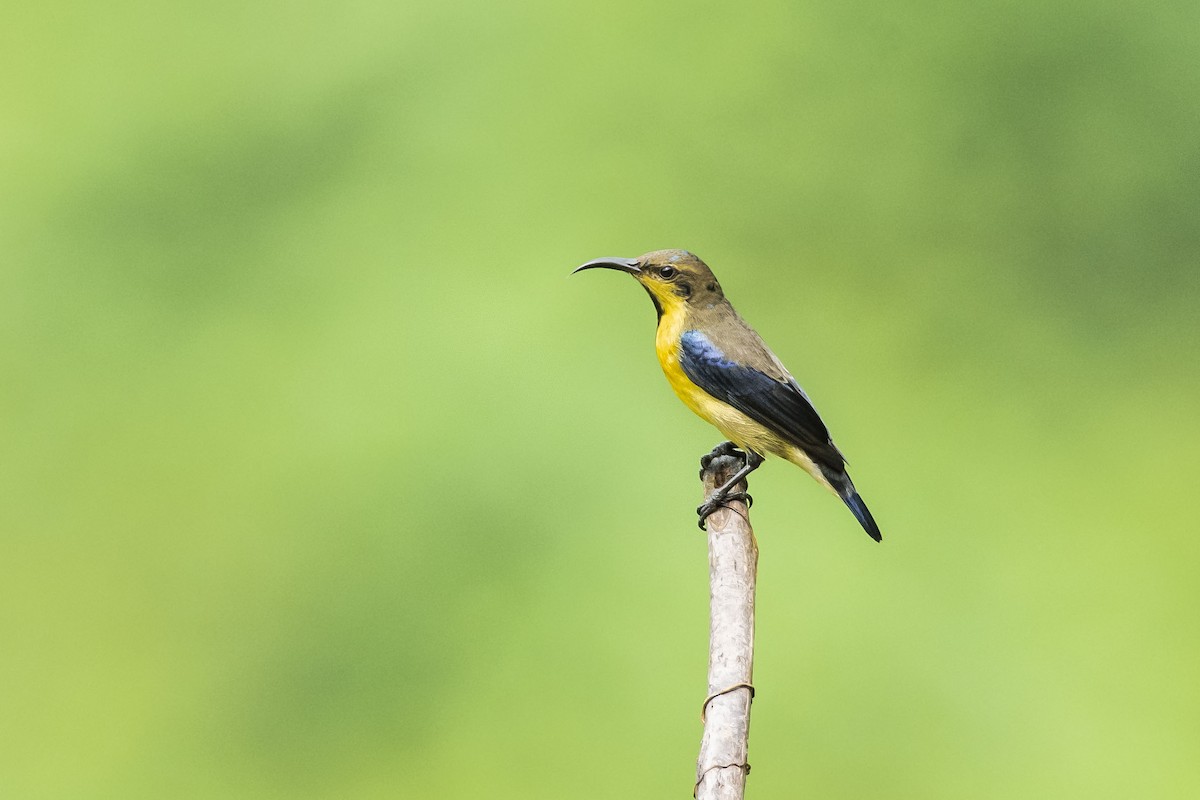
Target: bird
[{"x": 723, "y": 371}]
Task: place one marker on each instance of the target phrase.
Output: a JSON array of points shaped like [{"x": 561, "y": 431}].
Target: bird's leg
[
  {"x": 723, "y": 449},
  {"x": 724, "y": 492}
]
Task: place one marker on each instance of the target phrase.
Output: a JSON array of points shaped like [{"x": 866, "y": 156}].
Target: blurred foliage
[{"x": 321, "y": 480}]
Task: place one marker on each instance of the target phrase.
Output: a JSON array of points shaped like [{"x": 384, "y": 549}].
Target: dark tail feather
[{"x": 855, "y": 503}]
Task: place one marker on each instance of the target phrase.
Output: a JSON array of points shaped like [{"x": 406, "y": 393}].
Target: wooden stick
[{"x": 722, "y": 767}]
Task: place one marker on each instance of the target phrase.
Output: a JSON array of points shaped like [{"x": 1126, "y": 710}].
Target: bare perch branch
[{"x": 733, "y": 565}]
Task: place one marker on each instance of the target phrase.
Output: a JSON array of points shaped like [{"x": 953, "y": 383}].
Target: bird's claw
[
  {"x": 719, "y": 501},
  {"x": 723, "y": 449}
]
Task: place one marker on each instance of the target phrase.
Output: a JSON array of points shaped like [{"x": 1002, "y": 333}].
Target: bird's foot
[
  {"x": 723, "y": 449},
  {"x": 719, "y": 500}
]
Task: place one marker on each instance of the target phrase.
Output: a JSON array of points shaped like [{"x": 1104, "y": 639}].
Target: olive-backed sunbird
[{"x": 724, "y": 372}]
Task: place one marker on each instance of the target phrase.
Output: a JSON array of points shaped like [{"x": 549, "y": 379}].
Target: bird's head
[{"x": 675, "y": 279}]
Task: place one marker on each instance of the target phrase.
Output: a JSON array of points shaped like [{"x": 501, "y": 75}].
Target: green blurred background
[{"x": 320, "y": 479}]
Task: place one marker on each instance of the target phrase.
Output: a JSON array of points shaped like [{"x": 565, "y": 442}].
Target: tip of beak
[{"x": 629, "y": 265}]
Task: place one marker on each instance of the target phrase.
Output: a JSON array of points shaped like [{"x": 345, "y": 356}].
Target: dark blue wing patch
[{"x": 778, "y": 405}]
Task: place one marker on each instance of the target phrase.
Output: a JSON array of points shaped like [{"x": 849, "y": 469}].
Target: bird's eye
[{"x": 667, "y": 272}]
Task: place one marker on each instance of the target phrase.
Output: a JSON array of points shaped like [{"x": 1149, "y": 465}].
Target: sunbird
[{"x": 722, "y": 370}]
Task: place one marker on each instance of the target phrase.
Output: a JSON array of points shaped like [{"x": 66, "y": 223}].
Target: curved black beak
[{"x": 629, "y": 265}]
